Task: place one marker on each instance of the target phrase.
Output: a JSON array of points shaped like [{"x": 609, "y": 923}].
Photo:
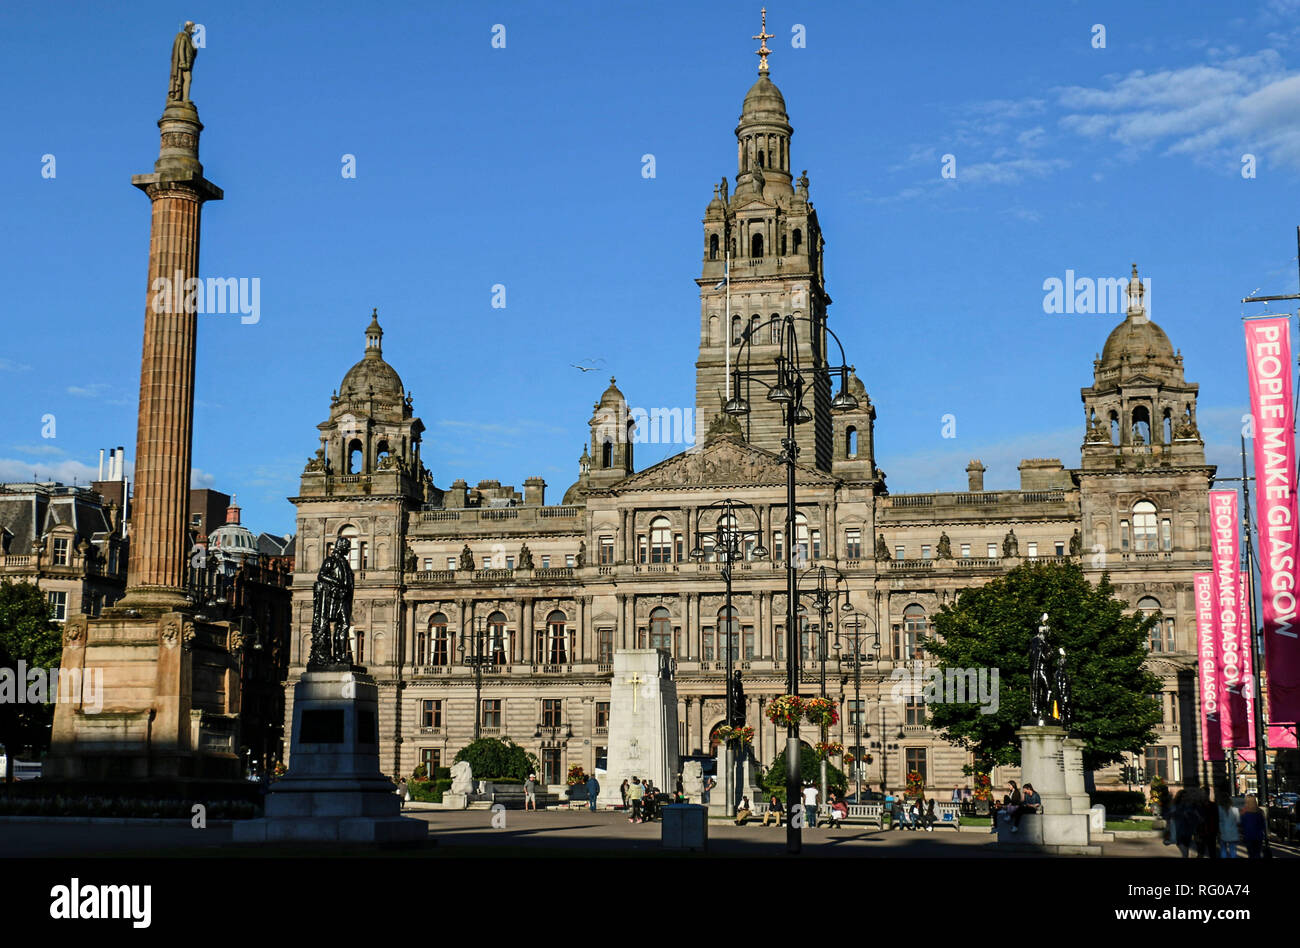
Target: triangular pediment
[{"x": 723, "y": 462}]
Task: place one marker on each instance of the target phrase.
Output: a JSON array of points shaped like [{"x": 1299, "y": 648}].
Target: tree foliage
[
  {"x": 28, "y": 633},
  {"x": 809, "y": 772},
  {"x": 990, "y": 627},
  {"x": 491, "y": 757}
]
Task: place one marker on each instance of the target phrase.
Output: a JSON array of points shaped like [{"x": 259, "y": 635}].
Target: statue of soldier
[
  {"x": 1063, "y": 710},
  {"x": 332, "y": 609},
  {"x": 183, "y": 55},
  {"x": 1040, "y": 686}
]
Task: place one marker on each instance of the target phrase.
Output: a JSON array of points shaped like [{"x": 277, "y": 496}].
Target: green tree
[
  {"x": 810, "y": 771},
  {"x": 28, "y": 633},
  {"x": 990, "y": 627},
  {"x": 490, "y": 757}
]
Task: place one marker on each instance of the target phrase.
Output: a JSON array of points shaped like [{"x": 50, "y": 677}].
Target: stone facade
[{"x": 551, "y": 591}]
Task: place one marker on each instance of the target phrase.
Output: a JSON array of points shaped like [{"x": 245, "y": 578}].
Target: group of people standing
[{"x": 1214, "y": 829}]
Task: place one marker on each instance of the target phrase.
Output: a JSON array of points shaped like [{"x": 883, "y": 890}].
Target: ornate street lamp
[
  {"x": 851, "y": 627},
  {"x": 786, "y": 382},
  {"x": 478, "y": 657},
  {"x": 729, "y": 542},
  {"x": 824, "y": 598}
]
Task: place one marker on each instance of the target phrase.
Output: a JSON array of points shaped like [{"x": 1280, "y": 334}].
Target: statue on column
[
  {"x": 1064, "y": 712},
  {"x": 331, "y": 618},
  {"x": 1040, "y": 685},
  {"x": 737, "y": 701},
  {"x": 183, "y": 55}
]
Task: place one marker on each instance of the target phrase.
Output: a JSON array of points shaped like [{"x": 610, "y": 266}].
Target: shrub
[
  {"x": 809, "y": 772},
  {"x": 493, "y": 759},
  {"x": 1120, "y": 803}
]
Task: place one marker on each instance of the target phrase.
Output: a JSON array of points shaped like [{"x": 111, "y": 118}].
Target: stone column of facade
[{"x": 164, "y": 439}]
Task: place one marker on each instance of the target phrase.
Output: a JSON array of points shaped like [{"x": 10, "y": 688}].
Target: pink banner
[
  {"x": 1240, "y": 680},
  {"x": 1268, "y": 363},
  {"x": 1207, "y": 667},
  {"x": 1225, "y": 552}
]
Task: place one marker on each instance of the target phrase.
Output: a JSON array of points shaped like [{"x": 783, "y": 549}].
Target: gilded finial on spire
[{"x": 762, "y": 37}]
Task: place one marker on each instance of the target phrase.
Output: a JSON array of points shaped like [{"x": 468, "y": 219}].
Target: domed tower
[
  {"x": 1140, "y": 412},
  {"x": 371, "y": 428},
  {"x": 763, "y": 262},
  {"x": 611, "y": 439}
]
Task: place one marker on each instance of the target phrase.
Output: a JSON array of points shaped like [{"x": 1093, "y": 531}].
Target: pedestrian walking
[
  {"x": 530, "y": 792},
  {"x": 1207, "y": 830},
  {"x": 810, "y": 804},
  {"x": 1185, "y": 820},
  {"x": 593, "y": 791},
  {"x": 622, "y": 791},
  {"x": 1252, "y": 827},
  {"x": 1229, "y": 825},
  {"x": 635, "y": 793}
]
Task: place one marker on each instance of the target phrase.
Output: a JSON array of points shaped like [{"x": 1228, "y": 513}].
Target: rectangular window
[
  {"x": 61, "y": 551},
  {"x": 857, "y": 713},
  {"x": 749, "y": 642},
  {"x": 510, "y": 562},
  {"x": 551, "y": 712},
  {"x": 900, "y": 553},
  {"x": 1033, "y": 549},
  {"x": 708, "y": 644},
  {"x": 853, "y": 544},
  {"x": 602, "y": 714},
  {"x": 491, "y": 712},
  {"x": 431, "y": 712},
  {"x": 451, "y": 563},
  {"x": 605, "y": 646},
  {"x": 546, "y": 562},
  {"x": 606, "y": 551},
  {"x": 1166, "y": 535},
  {"x": 925, "y": 551},
  {"x": 1171, "y": 715},
  {"x": 993, "y": 551},
  {"x": 914, "y": 711},
  {"x": 1060, "y": 548},
  {"x": 1176, "y": 764},
  {"x": 915, "y": 761},
  {"x": 431, "y": 757},
  {"x": 428, "y": 563},
  {"x": 965, "y": 551},
  {"x": 487, "y": 562},
  {"x": 679, "y": 548},
  {"x": 364, "y": 555},
  {"x": 816, "y": 544},
  {"x": 1156, "y": 759},
  {"x": 642, "y": 548},
  {"x": 59, "y": 602},
  {"x": 780, "y": 643},
  {"x": 569, "y": 560},
  {"x": 778, "y": 547},
  {"x": 552, "y": 773},
  {"x": 1123, "y": 534},
  {"x": 900, "y": 645}
]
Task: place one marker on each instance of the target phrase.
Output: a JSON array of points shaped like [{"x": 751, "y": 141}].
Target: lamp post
[
  {"x": 477, "y": 658},
  {"x": 729, "y": 546},
  {"x": 854, "y": 622},
  {"x": 823, "y": 597},
  {"x": 786, "y": 381}
]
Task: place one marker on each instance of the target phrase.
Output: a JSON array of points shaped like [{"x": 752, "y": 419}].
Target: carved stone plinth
[{"x": 1057, "y": 828}]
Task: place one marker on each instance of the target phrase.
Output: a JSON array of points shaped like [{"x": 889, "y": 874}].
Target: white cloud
[{"x": 8, "y": 365}]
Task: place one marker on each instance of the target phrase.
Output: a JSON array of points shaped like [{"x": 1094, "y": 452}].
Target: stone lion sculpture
[
  {"x": 462, "y": 777},
  {"x": 693, "y": 779}
]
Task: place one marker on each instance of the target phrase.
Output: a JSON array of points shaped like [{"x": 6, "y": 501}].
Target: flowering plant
[
  {"x": 281, "y": 769},
  {"x": 915, "y": 783},
  {"x": 787, "y": 710},
  {"x": 576, "y": 776},
  {"x": 743, "y": 735},
  {"x": 849, "y": 758},
  {"x": 821, "y": 711},
  {"x": 826, "y": 749},
  {"x": 983, "y": 787}
]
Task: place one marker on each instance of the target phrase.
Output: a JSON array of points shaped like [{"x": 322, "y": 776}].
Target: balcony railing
[{"x": 432, "y": 731}]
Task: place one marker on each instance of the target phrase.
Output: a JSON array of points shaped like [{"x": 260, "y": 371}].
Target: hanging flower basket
[
  {"x": 787, "y": 710},
  {"x": 915, "y": 783},
  {"x": 736, "y": 735},
  {"x": 576, "y": 776},
  {"x": 826, "y": 749},
  {"x": 821, "y": 711},
  {"x": 849, "y": 758},
  {"x": 983, "y": 787}
]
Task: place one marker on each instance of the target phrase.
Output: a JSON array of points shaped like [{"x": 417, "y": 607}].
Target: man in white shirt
[{"x": 810, "y": 804}]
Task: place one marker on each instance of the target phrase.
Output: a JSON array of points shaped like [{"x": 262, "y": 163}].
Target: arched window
[
  {"x": 496, "y": 638},
  {"x": 733, "y": 248},
  {"x": 783, "y": 245},
  {"x": 756, "y": 245},
  {"x": 1146, "y": 537},
  {"x": 728, "y": 634},
  {"x": 1169, "y": 427},
  {"x": 915, "y": 626},
  {"x": 441, "y": 640},
  {"x": 760, "y": 158},
  {"x": 354, "y": 553},
  {"x": 607, "y": 454},
  {"x": 798, "y": 239},
  {"x": 355, "y": 458},
  {"x": 359, "y": 646},
  {"x": 851, "y": 442},
  {"x": 713, "y": 246},
  {"x": 800, "y": 545},
  {"x": 774, "y": 329},
  {"x": 557, "y": 642},
  {"x": 1114, "y": 428},
  {"x": 661, "y": 628},
  {"x": 1141, "y": 425},
  {"x": 714, "y": 338},
  {"x": 737, "y": 328},
  {"x": 708, "y": 545},
  {"x": 381, "y": 452},
  {"x": 1162, "y": 633},
  {"x": 661, "y": 540},
  {"x": 753, "y": 327}
]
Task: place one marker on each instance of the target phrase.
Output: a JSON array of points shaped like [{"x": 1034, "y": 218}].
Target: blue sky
[{"x": 522, "y": 166}]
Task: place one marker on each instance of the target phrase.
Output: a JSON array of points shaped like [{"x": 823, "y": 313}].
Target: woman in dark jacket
[
  {"x": 1252, "y": 827},
  {"x": 1185, "y": 818},
  {"x": 1207, "y": 833}
]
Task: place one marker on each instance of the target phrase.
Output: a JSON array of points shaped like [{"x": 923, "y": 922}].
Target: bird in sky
[{"x": 595, "y": 364}]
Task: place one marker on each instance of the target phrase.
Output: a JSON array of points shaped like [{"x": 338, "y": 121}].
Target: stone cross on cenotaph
[{"x": 642, "y": 722}]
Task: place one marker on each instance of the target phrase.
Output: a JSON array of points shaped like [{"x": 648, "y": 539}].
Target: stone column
[
  {"x": 1042, "y": 764},
  {"x": 1080, "y": 802},
  {"x": 164, "y": 434}
]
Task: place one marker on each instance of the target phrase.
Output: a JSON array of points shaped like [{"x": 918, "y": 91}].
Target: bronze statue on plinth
[{"x": 331, "y": 618}]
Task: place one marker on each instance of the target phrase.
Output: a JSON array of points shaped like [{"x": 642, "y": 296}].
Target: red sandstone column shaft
[{"x": 177, "y": 190}]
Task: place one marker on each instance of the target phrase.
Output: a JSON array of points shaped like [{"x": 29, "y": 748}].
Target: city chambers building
[{"x": 547, "y": 592}]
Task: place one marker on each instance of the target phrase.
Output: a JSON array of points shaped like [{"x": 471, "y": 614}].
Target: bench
[
  {"x": 945, "y": 814},
  {"x": 867, "y": 813}
]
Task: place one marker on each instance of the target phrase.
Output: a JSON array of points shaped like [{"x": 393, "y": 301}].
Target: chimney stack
[{"x": 975, "y": 475}]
